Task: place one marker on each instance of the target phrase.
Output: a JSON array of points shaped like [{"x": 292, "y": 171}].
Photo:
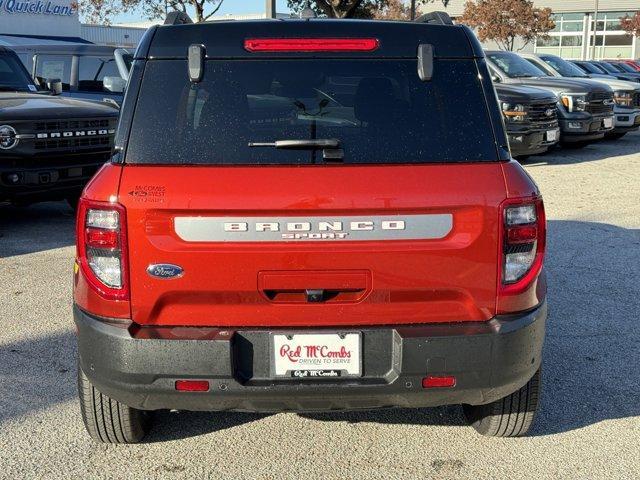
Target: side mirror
[
  {"x": 114, "y": 84},
  {"x": 54, "y": 85},
  {"x": 495, "y": 78}
]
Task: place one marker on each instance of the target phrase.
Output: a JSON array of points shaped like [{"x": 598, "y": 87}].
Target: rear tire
[
  {"x": 511, "y": 416},
  {"x": 107, "y": 420}
]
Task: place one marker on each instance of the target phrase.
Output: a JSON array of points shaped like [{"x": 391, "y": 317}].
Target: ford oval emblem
[{"x": 164, "y": 270}]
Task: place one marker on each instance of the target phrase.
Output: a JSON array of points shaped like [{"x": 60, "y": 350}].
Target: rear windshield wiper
[
  {"x": 331, "y": 151},
  {"x": 317, "y": 143}
]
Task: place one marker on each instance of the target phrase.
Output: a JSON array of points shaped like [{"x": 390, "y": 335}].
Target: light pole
[
  {"x": 413, "y": 10},
  {"x": 595, "y": 31},
  {"x": 270, "y": 8}
]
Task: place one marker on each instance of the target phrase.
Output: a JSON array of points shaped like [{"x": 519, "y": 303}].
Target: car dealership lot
[{"x": 589, "y": 424}]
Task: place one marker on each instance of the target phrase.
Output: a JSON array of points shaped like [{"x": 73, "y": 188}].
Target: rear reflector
[
  {"x": 439, "y": 382},
  {"x": 101, "y": 238},
  {"x": 192, "y": 385},
  {"x": 522, "y": 234},
  {"x": 311, "y": 44}
]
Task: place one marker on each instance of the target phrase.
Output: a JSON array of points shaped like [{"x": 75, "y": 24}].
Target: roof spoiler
[
  {"x": 435, "y": 18},
  {"x": 177, "y": 18}
]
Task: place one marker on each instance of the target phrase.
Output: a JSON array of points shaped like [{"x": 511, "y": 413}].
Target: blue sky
[{"x": 228, "y": 6}]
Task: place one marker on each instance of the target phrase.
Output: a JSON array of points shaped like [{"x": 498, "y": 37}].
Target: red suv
[{"x": 309, "y": 215}]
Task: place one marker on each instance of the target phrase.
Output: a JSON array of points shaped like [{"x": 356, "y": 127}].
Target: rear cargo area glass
[{"x": 379, "y": 110}]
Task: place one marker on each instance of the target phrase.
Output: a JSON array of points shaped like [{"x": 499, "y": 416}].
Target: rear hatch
[{"x": 394, "y": 222}]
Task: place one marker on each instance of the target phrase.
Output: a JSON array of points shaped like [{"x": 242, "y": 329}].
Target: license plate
[
  {"x": 317, "y": 355},
  {"x": 607, "y": 122},
  {"x": 552, "y": 135}
]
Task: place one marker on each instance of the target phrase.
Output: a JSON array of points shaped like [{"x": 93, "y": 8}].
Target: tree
[
  {"x": 631, "y": 25},
  {"x": 340, "y": 8},
  {"x": 394, "y": 10},
  {"x": 382, "y": 9},
  {"x": 505, "y": 20},
  {"x": 101, "y": 11}
]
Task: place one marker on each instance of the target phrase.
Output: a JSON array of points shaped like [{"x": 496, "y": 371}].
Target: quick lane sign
[{"x": 37, "y": 7}]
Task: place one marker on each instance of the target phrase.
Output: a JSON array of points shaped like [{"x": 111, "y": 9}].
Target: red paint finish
[
  {"x": 531, "y": 291},
  {"x": 263, "y": 284},
  {"x": 446, "y": 280},
  {"x": 86, "y": 293}
]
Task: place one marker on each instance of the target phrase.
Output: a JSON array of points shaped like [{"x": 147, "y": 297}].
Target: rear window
[
  {"x": 92, "y": 70},
  {"x": 378, "y": 110},
  {"x": 52, "y": 67}
]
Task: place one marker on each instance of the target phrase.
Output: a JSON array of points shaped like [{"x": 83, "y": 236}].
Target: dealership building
[
  {"x": 47, "y": 22},
  {"x": 577, "y": 34},
  {"x": 585, "y": 29},
  {"x": 56, "y": 22}
]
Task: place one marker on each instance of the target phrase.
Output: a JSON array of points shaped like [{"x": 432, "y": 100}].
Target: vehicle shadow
[
  {"x": 40, "y": 227},
  {"x": 590, "y": 357},
  {"x": 48, "y": 364},
  {"x": 590, "y": 367},
  {"x": 603, "y": 149}
]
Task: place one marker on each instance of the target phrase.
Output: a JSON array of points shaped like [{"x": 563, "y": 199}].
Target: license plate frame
[{"x": 316, "y": 363}]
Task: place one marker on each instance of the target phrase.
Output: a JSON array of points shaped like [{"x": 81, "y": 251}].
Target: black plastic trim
[{"x": 490, "y": 360}]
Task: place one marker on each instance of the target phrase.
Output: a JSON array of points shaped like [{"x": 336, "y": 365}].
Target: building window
[
  {"x": 611, "y": 41},
  {"x": 572, "y": 29}
]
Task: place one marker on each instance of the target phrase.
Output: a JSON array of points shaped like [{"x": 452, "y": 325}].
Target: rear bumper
[{"x": 489, "y": 360}]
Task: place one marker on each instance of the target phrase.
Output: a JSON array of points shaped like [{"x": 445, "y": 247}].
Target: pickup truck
[
  {"x": 585, "y": 109},
  {"x": 531, "y": 118},
  {"x": 626, "y": 95}
]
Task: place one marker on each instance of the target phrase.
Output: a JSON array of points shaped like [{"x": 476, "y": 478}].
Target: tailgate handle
[{"x": 314, "y": 287}]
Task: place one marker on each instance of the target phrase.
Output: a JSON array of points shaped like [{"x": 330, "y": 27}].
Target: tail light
[
  {"x": 102, "y": 248},
  {"x": 523, "y": 243}
]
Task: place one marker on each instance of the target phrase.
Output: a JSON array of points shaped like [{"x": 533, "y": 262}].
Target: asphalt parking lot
[{"x": 588, "y": 426}]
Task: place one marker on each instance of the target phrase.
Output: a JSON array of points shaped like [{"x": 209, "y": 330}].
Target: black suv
[
  {"x": 531, "y": 117},
  {"x": 49, "y": 146},
  {"x": 585, "y": 108}
]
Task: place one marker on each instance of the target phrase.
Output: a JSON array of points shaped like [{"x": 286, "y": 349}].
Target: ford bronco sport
[
  {"x": 49, "y": 146},
  {"x": 299, "y": 218}
]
